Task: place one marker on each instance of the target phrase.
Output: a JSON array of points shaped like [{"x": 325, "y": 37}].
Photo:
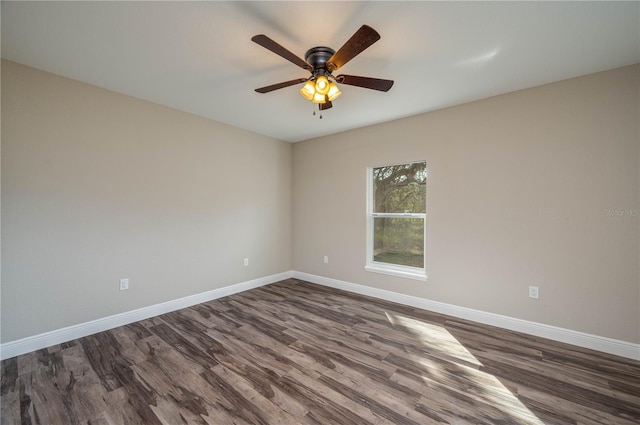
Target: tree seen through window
[{"x": 399, "y": 207}]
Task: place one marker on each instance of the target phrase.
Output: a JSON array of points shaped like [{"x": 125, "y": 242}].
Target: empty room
[{"x": 301, "y": 212}]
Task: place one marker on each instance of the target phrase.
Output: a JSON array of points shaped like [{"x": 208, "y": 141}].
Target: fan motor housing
[{"x": 317, "y": 57}]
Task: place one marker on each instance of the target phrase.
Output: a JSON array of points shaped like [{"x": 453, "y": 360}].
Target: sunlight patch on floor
[
  {"x": 436, "y": 337},
  {"x": 449, "y": 360}
]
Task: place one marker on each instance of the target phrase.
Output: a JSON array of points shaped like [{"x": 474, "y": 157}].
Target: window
[{"x": 396, "y": 216}]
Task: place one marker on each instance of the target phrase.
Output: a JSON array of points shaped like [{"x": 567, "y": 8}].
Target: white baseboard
[
  {"x": 580, "y": 339},
  {"x": 58, "y": 336},
  {"x": 594, "y": 342}
]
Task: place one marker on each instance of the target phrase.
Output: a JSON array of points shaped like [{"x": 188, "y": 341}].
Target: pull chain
[{"x": 319, "y": 111}]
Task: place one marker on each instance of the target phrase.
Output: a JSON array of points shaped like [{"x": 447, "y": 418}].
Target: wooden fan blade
[
  {"x": 326, "y": 105},
  {"x": 282, "y": 85},
  {"x": 268, "y": 43},
  {"x": 358, "y": 42},
  {"x": 366, "y": 82}
]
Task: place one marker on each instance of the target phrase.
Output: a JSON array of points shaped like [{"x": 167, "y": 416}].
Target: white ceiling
[{"x": 198, "y": 57}]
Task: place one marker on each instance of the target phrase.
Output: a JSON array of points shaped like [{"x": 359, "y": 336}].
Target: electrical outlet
[
  {"x": 124, "y": 284},
  {"x": 326, "y": 259},
  {"x": 246, "y": 262},
  {"x": 534, "y": 292}
]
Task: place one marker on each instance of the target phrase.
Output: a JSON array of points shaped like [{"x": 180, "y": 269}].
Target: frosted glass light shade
[
  {"x": 319, "y": 98},
  {"x": 322, "y": 85},
  {"x": 334, "y": 92},
  {"x": 308, "y": 90}
]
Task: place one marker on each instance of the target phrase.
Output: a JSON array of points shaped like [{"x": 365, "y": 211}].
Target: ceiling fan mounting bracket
[{"x": 318, "y": 56}]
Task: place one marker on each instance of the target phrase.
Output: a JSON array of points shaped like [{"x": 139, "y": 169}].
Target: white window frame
[{"x": 417, "y": 273}]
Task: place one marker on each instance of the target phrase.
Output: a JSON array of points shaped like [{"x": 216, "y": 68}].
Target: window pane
[
  {"x": 399, "y": 241},
  {"x": 400, "y": 188}
]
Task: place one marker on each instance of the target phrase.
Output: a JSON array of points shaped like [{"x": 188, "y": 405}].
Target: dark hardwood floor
[{"x": 298, "y": 353}]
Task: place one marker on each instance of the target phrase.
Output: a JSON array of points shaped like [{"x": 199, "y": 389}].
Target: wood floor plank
[{"x": 298, "y": 353}]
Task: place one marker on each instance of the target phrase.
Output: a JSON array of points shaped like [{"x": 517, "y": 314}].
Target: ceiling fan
[{"x": 321, "y": 62}]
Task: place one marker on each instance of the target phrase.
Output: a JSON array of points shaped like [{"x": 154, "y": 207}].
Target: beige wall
[
  {"x": 523, "y": 189},
  {"x": 536, "y": 187},
  {"x": 97, "y": 186}
]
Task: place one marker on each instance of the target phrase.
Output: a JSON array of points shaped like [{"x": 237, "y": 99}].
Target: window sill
[{"x": 407, "y": 272}]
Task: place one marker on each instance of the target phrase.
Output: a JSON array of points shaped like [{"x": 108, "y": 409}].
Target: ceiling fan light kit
[
  {"x": 321, "y": 90},
  {"x": 321, "y": 87}
]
